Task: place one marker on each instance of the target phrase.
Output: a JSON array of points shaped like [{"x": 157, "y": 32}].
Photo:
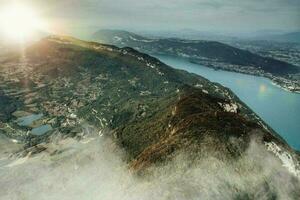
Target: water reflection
[{"x": 262, "y": 88}]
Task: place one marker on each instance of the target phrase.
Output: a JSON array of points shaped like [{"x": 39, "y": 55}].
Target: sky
[{"x": 205, "y": 15}]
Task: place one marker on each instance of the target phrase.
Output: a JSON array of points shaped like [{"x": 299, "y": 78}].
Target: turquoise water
[
  {"x": 277, "y": 107},
  {"x": 27, "y": 120},
  {"x": 41, "y": 130}
]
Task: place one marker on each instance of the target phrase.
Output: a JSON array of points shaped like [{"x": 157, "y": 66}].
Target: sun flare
[{"x": 20, "y": 23}]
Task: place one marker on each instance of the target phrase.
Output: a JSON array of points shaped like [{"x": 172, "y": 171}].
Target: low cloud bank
[{"x": 93, "y": 168}]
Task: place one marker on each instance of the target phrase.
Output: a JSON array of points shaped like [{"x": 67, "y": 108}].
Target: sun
[{"x": 19, "y": 22}]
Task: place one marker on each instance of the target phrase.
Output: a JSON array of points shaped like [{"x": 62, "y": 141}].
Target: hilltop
[{"x": 62, "y": 86}]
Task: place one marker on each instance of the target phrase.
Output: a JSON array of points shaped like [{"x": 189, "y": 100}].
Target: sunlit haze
[
  {"x": 82, "y": 18},
  {"x": 19, "y": 22}
]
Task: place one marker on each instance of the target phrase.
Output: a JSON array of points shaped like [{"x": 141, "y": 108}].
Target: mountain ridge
[
  {"x": 230, "y": 56},
  {"x": 210, "y": 54},
  {"x": 153, "y": 112}
]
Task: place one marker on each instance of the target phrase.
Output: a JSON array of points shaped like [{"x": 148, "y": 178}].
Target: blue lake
[
  {"x": 41, "y": 130},
  {"x": 27, "y": 120},
  {"x": 277, "y": 107}
]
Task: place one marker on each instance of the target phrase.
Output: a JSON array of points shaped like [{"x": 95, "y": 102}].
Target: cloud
[{"x": 95, "y": 168}]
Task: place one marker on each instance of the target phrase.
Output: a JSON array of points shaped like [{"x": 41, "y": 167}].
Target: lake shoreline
[
  {"x": 276, "y": 106},
  {"x": 281, "y": 82}
]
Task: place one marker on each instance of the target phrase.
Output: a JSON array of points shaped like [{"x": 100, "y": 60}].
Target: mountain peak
[{"x": 68, "y": 88}]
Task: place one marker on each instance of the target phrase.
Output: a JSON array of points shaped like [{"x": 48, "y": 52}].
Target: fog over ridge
[{"x": 95, "y": 168}]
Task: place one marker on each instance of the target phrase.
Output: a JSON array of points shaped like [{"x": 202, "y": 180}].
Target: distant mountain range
[
  {"x": 190, "y": 34},
  {"x": 293, "y": 37},
  {"x": 206, "y": 52},
  {"x": 212, "y": 54}
]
